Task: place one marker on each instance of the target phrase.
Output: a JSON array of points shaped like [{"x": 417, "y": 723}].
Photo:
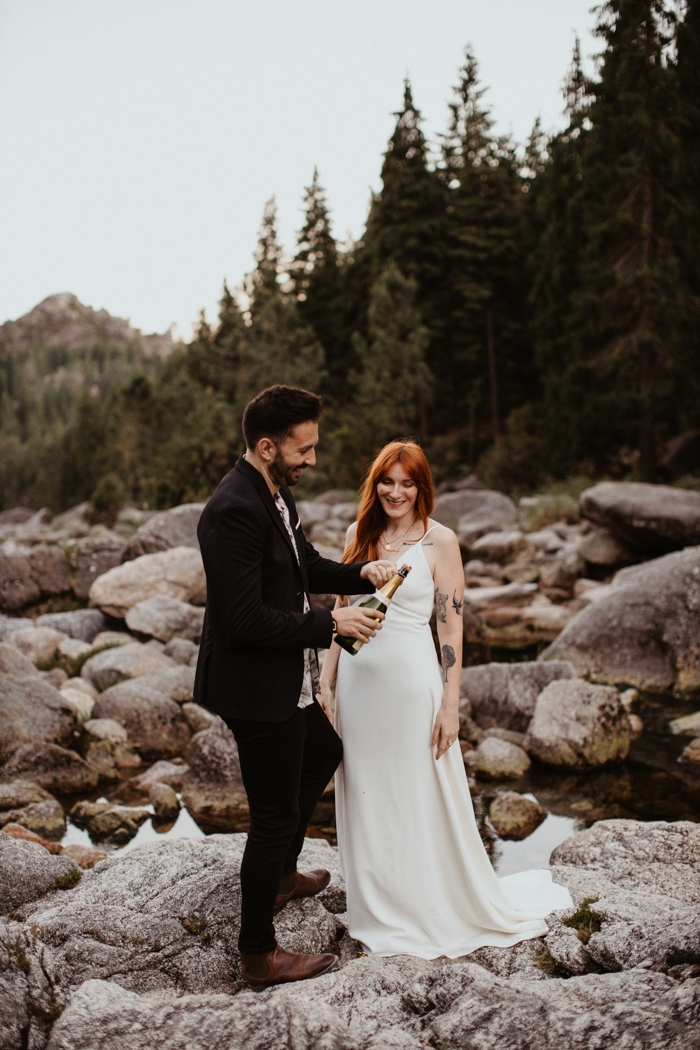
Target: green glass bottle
[{"x": 379, "y": 600}]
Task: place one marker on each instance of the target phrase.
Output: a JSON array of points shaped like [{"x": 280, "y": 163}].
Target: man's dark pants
[{"x": 285, "y": 768}]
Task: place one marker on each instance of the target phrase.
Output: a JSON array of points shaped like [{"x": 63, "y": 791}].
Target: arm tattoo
[
  {"x": 448, "y": 659},
  {"x": 441, "y": 606},
  {"x": 457, "y": 603}
]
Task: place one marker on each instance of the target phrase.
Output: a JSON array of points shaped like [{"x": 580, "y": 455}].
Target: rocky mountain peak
[{"x": 63, "y": 321}]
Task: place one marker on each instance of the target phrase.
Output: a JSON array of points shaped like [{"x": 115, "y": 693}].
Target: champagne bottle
[{"x": 380, "y": 600}]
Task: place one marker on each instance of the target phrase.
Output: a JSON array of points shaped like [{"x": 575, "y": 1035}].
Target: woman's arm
[
  {"x": 449, "y": 598},
  {"x": 329, "y": 672}
]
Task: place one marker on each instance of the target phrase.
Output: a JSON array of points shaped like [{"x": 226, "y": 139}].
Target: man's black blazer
[{"x": 251, "y": 660}]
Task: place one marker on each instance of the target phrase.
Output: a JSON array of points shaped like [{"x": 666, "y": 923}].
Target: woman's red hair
[{"x": 371, "y": 520}]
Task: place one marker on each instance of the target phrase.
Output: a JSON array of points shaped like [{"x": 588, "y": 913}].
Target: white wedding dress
[{"x": 419, "y": 881}]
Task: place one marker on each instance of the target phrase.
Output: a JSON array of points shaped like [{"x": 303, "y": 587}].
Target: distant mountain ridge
[{"x": 62, "y": 321}]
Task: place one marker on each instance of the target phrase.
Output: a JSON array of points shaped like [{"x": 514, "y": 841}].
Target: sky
[{"x": 140, "y": 139}]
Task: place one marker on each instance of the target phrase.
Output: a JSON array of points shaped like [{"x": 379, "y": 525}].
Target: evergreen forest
[{"x": 529, "y": 311}]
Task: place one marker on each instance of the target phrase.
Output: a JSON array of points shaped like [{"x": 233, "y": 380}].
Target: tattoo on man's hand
[
  {"x": 448, "y": 659},
  {"x": 441, "y": 606},
  {"x": 457, "y": 603}
]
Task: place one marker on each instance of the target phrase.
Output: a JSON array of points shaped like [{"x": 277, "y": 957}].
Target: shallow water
[{"x": 649, "y": 785}]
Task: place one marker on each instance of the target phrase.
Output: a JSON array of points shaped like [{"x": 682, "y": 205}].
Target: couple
[{"x": 418, "y": 879}]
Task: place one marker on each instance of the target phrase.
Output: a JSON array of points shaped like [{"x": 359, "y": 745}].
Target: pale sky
[{"x": 140, "y": 139}]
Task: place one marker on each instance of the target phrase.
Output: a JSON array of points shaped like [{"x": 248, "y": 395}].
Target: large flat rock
[
  {"x": 177, "y": 573},
  {"x": 650, "y": 518},
  {"x": 645, "y": 632},
  {"x": 32, "y": 711},
  {"x": 176, "y": 527}
]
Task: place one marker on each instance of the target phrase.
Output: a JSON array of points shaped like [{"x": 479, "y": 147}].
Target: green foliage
[
  {"x": 68, "y": 879},
  {"x": 585, "y": 921},
  {"x": 107, "y": 499}
]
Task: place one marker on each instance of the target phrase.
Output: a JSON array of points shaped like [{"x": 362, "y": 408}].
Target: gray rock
[
  {"x": 198, "y": 718},
  {"x": 515, "y": 817},
  {"x": 39, "y": 644},
  {"x": 154, "y": 723},
  {"x": 636, "y": 1009},
  {"x": 45, "y": 819},
  {"x": 84, "y": 624},
  {"x": 166, "y": 805},
  {"x": 8, "y": 624},
  {"x": 90, "y": 558},
  {"x": 177, "y": 573},
  {"x": 474, "y": 512},
  {"x": 107, "y": 821},
  {"x": 79, "y": 701},
  {"x": 15, "y": 663},
  {"x": 213, "y": 789},
  {"x": 162, "y": 772},
  {"x": 21, "y": 793},
  {"x": 657, "y": 857},
  {"x": 175, "y": 682},
  {"x": 501, "y": 546},
  {"x": 645, "y": 632},
  {"x": 105, "y": 746},
  {"x": 103, "y": 1016},
  {"x": 31, "y": 711},
  {"x": 686, "y": 725},
  {"x": 164, "y": 918},
  {"x": 562, "y": 570},
  {"x": 653, "y": 518},
  {"x": 31, "y": 996},
  {"x": 176, "y": 527},
  {"x": 27, "y": 872},
  {"x": 18, "y": 587},
  {"x": 120, "y": 663},
  {"x": 505, "y": 694},
  {"x": 500, "y": 760},
  {"x": 164, "y": 618},
  {"x": 577, "y": 724},
  {"x": 181, "y": 650},
  {"x": 603, "y": 547},
  {"x": 54, "y": 768}
]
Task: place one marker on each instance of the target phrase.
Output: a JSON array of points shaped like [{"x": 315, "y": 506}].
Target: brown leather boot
[
  {"x": 281, "y": 967},
  {"x": 305, "y": 885}
]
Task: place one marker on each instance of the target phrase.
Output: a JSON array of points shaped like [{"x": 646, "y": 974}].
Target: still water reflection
[{"x": 650, "y": 785}]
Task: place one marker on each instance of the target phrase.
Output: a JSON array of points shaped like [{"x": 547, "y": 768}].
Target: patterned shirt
[{"x": 310, "y": 684}]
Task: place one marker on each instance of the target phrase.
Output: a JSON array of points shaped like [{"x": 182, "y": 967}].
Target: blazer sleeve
[
  {"x": 326, "y": 576},
  {"x": 232, "y": 552}
]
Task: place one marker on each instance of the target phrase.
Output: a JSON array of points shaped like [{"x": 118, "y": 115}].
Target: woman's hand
[
  {"x": 378, "y": 572},
  {"x": 325, "y": 699},
  {"x": 446, "y": 729}
]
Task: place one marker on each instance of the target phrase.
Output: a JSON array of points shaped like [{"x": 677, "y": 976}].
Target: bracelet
[{"x": 335, "y": 625}]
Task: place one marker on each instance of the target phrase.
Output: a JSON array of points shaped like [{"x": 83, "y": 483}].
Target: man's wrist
[{"x": 335, "y": 625}]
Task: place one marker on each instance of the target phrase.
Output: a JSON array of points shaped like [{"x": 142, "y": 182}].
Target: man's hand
[
  {"x": 378, "y": 572},
  {"x": 354, "y": 622}
]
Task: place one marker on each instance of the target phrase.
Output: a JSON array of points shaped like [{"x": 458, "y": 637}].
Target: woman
[{"x": 418, "y": 879}]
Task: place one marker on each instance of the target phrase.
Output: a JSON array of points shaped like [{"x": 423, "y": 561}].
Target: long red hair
[{"x": 371, "y": 520}]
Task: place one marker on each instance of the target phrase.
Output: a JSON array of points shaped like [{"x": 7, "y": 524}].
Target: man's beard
[{"x": 281, "y": 472}]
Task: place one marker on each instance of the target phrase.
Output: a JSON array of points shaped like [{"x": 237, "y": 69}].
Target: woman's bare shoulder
[
  {"x": 351, "y": 530},
  {"x": 441, "y": 536}
]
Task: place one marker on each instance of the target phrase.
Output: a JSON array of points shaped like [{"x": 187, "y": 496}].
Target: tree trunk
[{"x": 493, "y": 379}]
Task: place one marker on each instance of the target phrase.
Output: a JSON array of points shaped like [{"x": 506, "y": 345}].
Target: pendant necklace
[{"x": 396, "y": 550}]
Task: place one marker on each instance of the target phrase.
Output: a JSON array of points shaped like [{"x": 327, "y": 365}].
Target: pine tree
[
  {"x": 276, "y": 346},
  {"x": 483, "y": 268},
  {"x": 393, "y": 388},
  {"x": 406, "y": 224},
  {"x": 315, "y": 278}
]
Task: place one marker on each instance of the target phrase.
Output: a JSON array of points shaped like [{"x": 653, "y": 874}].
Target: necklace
[{"x": 395, "y": 550}]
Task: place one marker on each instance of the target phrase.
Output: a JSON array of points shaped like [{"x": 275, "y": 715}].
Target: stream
[{"x": 649, "y": 785}]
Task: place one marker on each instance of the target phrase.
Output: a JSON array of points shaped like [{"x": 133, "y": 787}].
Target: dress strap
[{"x": 428, "y": 532}]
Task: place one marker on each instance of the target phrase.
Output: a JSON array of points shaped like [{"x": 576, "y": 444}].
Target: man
[{"x": 257, "y": 664}]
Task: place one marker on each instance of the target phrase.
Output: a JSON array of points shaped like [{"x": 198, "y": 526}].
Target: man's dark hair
[{"x": 275, "y": 411}]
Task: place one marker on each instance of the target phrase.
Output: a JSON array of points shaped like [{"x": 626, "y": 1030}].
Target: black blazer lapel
[
  {"x": 296, "y": 529},
  {"x": 266, "y": 496}
]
